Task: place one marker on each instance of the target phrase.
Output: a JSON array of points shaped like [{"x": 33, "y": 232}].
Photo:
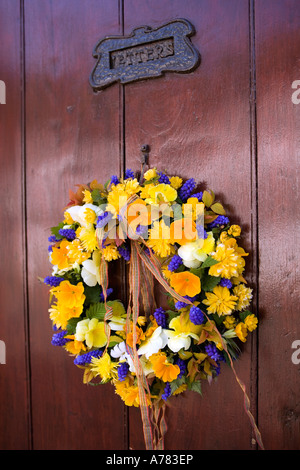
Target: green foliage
[{"x": 96, "y": 311}]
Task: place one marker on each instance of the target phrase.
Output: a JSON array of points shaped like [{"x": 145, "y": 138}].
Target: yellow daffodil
[
  {"x": 180, "y": 332},
  {"x": 69, "y": 294},
  {"x": 87, "y": 236},
  {"x": 194, "y": 253},
  {"x": 87, "y": 197},
  {"x": 150, "y": 174},
  {"x": 60, "y": 255},
  {"x": 161, "y": 193}
]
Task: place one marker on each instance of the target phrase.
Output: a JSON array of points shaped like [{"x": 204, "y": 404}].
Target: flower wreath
[{"x": 167, "y": 231}]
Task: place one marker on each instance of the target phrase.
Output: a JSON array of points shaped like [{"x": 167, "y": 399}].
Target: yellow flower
[
  {"x": 229, "y": 322},
  {"x": 244, "y": 295},
  {"x": 74, "y": 346},
  {"x": 104, "y": 367},
  {"x": 161, "y": 193},
  {"x": 68, "y": 294},
  {"x": 129, "y": 393},
  {"x": 150, "y": 174},
  {"x": 90, "y": 215},
  {"x": 87, "y": 197},
  {"x": 241, "y": 331},
  {"x": 88, "y": 238},
  {"x": 67, "y": 218},
  {"x": 230, "y": 257},
  {"x": 176, "y": 182},
  {"x": 163, "y": 369},
  {"x": 234, "y": 230},
  {"x": 110, "y": 253},
  {"x": 251, "y": 322},
  {"x": 92, "y": 332},
  {"x": 76, "y": 253},
  {"x": 194, "y": 209},
  {"x": 220, "y": 301},
  {"x": 159, "y": 239},
  {"x": 116, "y": 199},
  {"x": 60, "y": 314}
]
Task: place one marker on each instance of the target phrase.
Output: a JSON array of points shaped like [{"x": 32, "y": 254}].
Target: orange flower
[
  {"x": 138, "y": 213},
  {"x": 59, "y": 255},
  {"x": 140, "y": 336},
  {"x": 185, "y": 283},
  {"x": 183, "y": 231},
  {"x": 163, "y": 369}
]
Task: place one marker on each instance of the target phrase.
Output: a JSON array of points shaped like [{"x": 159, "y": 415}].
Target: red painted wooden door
[{"x": 232, "y": 124}]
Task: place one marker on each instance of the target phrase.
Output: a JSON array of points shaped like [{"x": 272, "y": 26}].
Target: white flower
[
  {"x": 119, "y": 351},
  {"x": 158, "y": 340},
  {"x": 90, "y": 273},
  {"x": 117, "y": 323},
  {"x": 194, "y": 253},
  {"x": 78, "y": 213}
]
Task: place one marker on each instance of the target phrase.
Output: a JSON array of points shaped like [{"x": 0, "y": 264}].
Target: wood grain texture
[
  {"x": 14, "y": 416},
  {"x": 278, "y": 122},
  {"x": 72, "y": 137},
  {"x": 198, "y": 125}
]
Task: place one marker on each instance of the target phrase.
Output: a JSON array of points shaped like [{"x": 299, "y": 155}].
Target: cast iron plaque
[{"x": 146, "y": 53}]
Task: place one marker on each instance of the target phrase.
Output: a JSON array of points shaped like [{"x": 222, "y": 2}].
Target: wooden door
[{"x": 231, "y": 124}]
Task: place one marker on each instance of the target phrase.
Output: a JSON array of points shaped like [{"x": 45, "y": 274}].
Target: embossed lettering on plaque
[{"x": 146, "y": 53}]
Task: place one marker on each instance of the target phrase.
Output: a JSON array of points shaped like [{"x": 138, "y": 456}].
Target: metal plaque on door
[{"x": 146, "y": 53}]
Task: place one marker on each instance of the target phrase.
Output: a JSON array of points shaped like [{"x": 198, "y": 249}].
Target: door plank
[
  {"x": 198, "y": 125},
  {"x": 72, "y": 137},
  {"x": 14, "y": 391},
  {"x": 278, "y": 122}
]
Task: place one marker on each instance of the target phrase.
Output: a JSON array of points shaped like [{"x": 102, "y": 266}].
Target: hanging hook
[{"x": 145, "y": 149}]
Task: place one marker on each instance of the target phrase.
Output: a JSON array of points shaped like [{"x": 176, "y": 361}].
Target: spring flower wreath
[{"x": 168, "y": 232}]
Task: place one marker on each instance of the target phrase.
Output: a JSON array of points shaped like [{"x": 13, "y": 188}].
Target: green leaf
[
  {"x": 96, "y": 311},
  {"x": 92, "y": 294},
  {"x": 208, "y": 198},
  {"x": 71, "y": 325},
  {"x": 96, "y": 196},
  {"x": 244, "y": 314},
  {"x": 209, "y": 282},
  {"x": 197, "y": 271},
  {"x": 195, "y": 386},
  {"x": 218, "y": 208},
  {"x": 209, "y": 262},
  {"x": 176, "y": 384},
  {"x": 54, "y": 230}
]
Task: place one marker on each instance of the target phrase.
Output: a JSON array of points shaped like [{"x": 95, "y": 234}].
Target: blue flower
[{"x": 129, "y": 174}]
